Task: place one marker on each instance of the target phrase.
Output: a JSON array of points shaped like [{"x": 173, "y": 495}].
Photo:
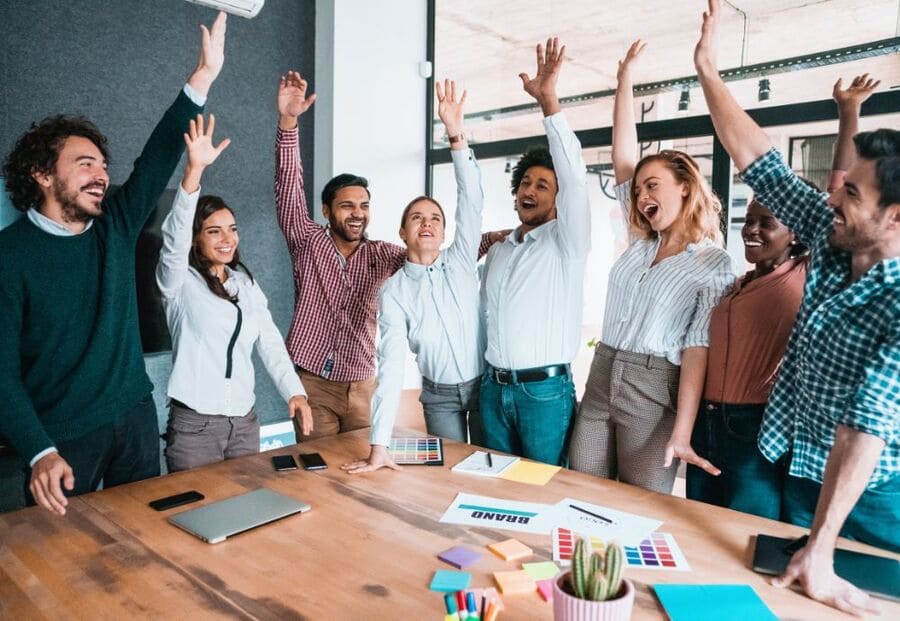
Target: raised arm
[
  {"x": 469, "y": 196},
  {"x": 290, "y": 197},
  {"x": 744, "y": 140},
  {"x": 849, "y": 101},
  {"x": 177, "y": 229},
  {"x": 624, "y": 131},
  {"x": 572, "y": 205},
  {"x": 138, "y": 196}
]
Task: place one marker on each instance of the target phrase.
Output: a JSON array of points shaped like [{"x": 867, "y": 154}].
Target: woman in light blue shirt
[
  {"x": 431, "y": 304},
  {"x": 217, "y": 317}
]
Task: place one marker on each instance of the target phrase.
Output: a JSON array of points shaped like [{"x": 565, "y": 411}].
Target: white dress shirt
[
  {"x": 202, "y": 326},
  {"x": 53, "y": 227},
  {"x": 433, "y": 308},
  {"x": 665, "y": 308},
  {"x": 532, "y": 291}
]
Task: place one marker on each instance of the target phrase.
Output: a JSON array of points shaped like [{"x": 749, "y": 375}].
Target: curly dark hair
[
  {"x": 206, "y": 206},
  {"x": 534, "y": 156},
  {"x": 37, "y": 150}
]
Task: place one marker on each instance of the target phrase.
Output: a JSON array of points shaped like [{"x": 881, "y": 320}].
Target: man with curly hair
[
  {"x": 532, "y": 289},
  {"x": 78, "y": 405}
]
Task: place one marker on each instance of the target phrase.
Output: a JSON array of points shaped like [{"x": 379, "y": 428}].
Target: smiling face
[
  {"x": 767, "y": 241},
  {"x": 860, "y": 224},
  {"x": 348, "y": 214},
  {"x": 535, "y": 200},
  {"x": 217, "y": 240},
  {"x": 658, "y": 195},
  {"x": 423, "y": 227},
  {"x": 76, "y": 187}
]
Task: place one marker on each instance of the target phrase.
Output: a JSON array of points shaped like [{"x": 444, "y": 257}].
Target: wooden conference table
[{"x": 366, "y": 550}]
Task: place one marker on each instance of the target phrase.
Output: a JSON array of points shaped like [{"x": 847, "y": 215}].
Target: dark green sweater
[{"x": 70, "y": 349}]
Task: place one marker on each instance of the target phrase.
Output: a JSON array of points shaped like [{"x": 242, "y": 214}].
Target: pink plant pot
[{"x": 570, "y": 608}]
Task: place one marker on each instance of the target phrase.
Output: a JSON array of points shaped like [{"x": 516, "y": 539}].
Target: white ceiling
[{"x": 485, "y": 44}]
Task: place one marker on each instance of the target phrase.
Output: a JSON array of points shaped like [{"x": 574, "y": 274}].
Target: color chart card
[
  {"x": 417, "y": 451},
  {"x": 658, "y": 551}
]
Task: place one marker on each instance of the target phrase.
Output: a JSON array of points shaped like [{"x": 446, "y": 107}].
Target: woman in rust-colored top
[{"x": 749, "y": 332}]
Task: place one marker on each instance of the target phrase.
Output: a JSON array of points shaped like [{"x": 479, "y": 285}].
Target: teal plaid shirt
[{"x": 842, "y": 365}]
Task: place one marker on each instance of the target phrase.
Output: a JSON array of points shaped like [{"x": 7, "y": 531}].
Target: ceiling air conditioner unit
[{"x": 244, "y": 8}]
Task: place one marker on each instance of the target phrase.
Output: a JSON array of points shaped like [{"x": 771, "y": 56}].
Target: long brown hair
[
  {"x": 207, "y": 206},
  {"x": 700, "y": 216}
]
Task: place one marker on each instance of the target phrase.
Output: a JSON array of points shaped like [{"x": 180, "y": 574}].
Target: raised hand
[
  {"x": 854, "y": 95},
  {"x": 292, "y": 98},
  {"x": 212, "y": 55},
  {"x": 200, "y": 150},
  {"x": 543, "y": 85},
  {"x": 631, "y": 57},
  {"x": 813, "y": 571},
  {"x": 449, "y": 109},
  {"x": 706, "y": 52}
]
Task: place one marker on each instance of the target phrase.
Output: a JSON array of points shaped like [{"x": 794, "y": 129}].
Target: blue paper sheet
[
  {"x": 712, "y": 602},
  {"x": 450, "y": 581}
]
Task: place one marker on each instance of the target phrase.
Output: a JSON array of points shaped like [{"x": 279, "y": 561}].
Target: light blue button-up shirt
[{"x": 434, "y": 309}]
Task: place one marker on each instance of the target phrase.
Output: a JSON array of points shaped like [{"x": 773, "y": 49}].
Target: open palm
[
  {"x": 199, "y": 141},
  {"x": 549, "y": 61},
  {"x": 292, "y": 98}
]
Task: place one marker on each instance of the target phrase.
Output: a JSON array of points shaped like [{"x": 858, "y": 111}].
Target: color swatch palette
[
  {"x": 417, "y": 451},
  {"x": 564, "y": 543},
  {"x": 658, "y": 551}
]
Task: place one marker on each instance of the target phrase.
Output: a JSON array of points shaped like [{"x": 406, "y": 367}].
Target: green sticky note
[
  {"x": 541, "y": 571},
  {"x": 712, "y": 602},
  {"x": 447, "y": 581}
]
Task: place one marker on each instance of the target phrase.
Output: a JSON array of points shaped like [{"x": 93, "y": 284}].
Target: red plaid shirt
[{"x": 335, "y": 299}]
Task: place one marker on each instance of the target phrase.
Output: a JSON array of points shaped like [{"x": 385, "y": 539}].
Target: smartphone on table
[
  {"x": 312, "y": 461},
  {"x": 170, "y": 502},
  {"x": 284, "y": 462}
]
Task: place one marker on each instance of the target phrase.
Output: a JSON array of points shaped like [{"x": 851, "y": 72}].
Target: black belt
[{"x": 537, "y": 374}]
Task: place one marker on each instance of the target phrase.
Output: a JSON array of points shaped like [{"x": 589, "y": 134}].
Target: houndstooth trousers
[{"x": 626, "y": 418}]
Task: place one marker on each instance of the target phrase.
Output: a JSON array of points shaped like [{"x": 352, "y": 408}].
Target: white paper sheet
[
  {"x": 603, "y": 522},
  {"x": 528, "y": 517}
]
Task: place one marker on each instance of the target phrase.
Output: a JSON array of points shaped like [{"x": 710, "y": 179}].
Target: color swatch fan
[{"x": 417, "y": 451}]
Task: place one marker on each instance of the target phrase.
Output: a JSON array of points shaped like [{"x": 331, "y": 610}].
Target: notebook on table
[
  {"x": 878, "y": 575},
  {"x": 219, "y": 520}
]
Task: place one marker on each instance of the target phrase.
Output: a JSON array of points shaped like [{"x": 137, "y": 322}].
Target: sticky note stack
[
  {"x": 460, "y": 557},
  {"x": 514, "y": 582},
  {"x": 511, "y": 550}
]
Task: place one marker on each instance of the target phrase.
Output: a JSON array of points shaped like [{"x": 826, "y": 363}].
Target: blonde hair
[{"x": 700, "y": 216}]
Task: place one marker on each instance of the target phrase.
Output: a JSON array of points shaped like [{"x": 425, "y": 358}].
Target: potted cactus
[{"x": 594, "y": 589}]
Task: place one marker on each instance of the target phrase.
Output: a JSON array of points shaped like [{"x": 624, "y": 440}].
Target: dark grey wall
[{"x": 121, "y": 62}]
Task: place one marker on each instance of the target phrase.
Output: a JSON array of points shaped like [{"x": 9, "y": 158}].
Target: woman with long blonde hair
[{"x": 646, "y": 379}]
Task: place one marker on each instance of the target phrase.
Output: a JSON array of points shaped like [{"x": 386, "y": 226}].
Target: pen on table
[
  {"x": 471, "y": 608},
  {"x": 450, "y": 603},
  {"x": 461, "y": 604},
  {"x": 490, "y": 460},
  {"x": 483, "y": 604},
  {"x": 596, "y": 515}
]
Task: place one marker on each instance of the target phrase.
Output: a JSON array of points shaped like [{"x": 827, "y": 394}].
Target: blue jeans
[
  {"x": 726, "y": 434},
  {"x": 874, "y": 518},
  {"x": 451, "y": 410},
  {"x": 530, "y": 419}
]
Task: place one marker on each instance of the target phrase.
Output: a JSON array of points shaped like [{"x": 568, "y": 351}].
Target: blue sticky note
[
  {"x": 450, "y": 581},
  {"x": 712, "y": 602}
]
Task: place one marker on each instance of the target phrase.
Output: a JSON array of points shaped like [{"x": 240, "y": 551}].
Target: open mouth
[
  {"x": 355, "y": 227},
  {"x": 224, "y": 249},
  {"x": 426, "y": 234},
  {"x": 752, "y": 243},
  {"x": 650, "y": 211},
  {"x": 97, "y": 190},
  {"x": 839, "y": 218},
  {"x": 527, "y": 203}
]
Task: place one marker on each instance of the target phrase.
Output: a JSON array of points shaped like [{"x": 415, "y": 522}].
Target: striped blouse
[{"x": 665, "y": 308}]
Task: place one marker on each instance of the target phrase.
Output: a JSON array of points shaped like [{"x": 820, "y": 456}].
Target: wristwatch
[{"x": 457, "y": 138}]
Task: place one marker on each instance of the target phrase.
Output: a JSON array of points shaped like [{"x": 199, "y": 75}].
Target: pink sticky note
[{"x": 545, "y": 588}]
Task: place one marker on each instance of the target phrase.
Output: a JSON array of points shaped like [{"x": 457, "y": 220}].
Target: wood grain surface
[{"x": 366, "y": 550}]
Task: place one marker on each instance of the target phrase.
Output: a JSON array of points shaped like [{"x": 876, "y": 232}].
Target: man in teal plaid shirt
[{"x": 835, "y": 411}]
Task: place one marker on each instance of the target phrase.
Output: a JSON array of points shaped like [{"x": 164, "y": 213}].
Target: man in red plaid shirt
[{"x": 337, "y": 274}]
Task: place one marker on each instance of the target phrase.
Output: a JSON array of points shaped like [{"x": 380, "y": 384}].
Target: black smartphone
[
  {"x": 169, "y": 502},
  {"x": 312, "y": 461},
  {"x": 284, "y": 462}
]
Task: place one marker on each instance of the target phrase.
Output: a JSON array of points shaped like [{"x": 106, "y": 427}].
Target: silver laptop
[{"x": 219, "y": 520}]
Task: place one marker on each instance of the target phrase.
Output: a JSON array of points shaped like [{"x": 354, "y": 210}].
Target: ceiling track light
[
  {"x": 684, "y": 101},
  {"x": 764, "y": 89}
]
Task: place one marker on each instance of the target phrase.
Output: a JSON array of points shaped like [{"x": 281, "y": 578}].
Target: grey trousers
[
  {"x": 452, "y": 409},
  {"x": 626, "y": 418},
  {"x": 194, "y": 439}
]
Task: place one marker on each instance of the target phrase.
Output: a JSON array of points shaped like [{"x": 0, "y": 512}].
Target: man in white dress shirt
[{"x": 532, "y": 288}]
